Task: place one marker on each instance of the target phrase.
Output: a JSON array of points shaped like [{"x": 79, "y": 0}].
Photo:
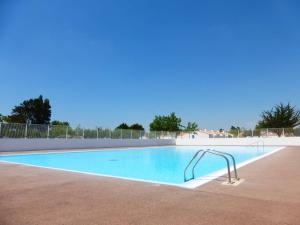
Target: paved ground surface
[{"x": 36, "y": 196}]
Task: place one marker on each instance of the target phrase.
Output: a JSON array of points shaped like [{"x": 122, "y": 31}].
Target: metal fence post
[
  {"x": 0, "y": 129},
  {"x": 140, "y": 134},
  {"x": 238, "y": 133},
  {"x": 25, "y": 134},
  {"x": 283, "y": 132},
  {"x": 48, "y": 132},
  {"x": 83, "y": 133},
  {"x": 252, "y": 132},
  {"x": 267, "y": 132},
  {"x": 67, "y": 132},
  {"x": 130, "y": 134},
  {"x": 97, "y": 133},
  {"x": 121, "y": 133}
]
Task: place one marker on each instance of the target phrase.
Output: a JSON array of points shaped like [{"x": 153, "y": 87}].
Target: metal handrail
[
  {"x": 214, "y": 152},
  {"x": 233, "y": 161},
  {"x": 188, "y": 165}
]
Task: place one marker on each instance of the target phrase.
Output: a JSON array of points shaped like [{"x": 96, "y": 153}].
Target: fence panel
[
  {"x": 90, "y": 133},
  {"x": 77, "y": 132},
  {"x": 37, "y": 131},
  {"x": 126, "y": 134},
  {"x": 58, "y": 131},
  {"x": 297, "y": 132},
  {"x": 136, "y": 134},
  {"x": 106, "y": 133},
  {"x": 13, "y": 130},
  {"x": 116, "y": 134}
]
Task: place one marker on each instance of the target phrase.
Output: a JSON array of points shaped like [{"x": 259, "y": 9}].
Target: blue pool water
[{"x": 161, "y": 165}]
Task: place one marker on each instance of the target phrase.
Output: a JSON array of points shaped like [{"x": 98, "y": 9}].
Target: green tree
[
  {"x": 280, "y": 116},
  {"x": 234, "y": 130},
  {"x": 122, "y": 126},
  {"x": 166, "y": 123},
  {"x": 60, "y": 123},
  {"x": 136, "y": 126},
  {"x": 191, "y": 127},
  {"x": 35, "y": 111}
]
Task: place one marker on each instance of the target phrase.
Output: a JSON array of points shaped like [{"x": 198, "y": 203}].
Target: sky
[{"x": 218, "y": 63}]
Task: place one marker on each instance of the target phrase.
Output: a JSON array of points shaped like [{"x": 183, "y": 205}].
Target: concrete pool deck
[{"x": 270, "y": 194}]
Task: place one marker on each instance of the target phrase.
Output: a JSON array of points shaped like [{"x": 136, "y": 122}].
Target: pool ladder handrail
[
  {"x": 213, "y": 152},
  {"x": 257, "y": 144}
]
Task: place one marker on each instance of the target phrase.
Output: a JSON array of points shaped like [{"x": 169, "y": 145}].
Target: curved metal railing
[{"x": 224, "y": 155}]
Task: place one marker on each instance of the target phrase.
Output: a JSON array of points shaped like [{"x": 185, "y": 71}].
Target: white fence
[
  {"x": 241, "y": 133},
  {"x": 28, "y": 131}
]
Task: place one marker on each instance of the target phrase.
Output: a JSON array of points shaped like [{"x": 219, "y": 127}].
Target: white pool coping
[{"x": 188, "y": 185}]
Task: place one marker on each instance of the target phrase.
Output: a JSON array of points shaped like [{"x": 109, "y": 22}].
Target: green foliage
[
  {"x": 59, "y": 123},
  {"x": 35, "y": 111},
  {"x": 166, "y": 123},
  {"x": 281, "y": 116},
  {"x": 191, "y": 127},
  {"x": 122, "y": 126},
  {"x": 234, "y": 130},
  {"x": 136, "y": 126}
]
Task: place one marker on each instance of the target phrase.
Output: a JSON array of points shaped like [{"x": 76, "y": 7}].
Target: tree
[
  {"x": 59, "y": 123},
  {"x": 280, "y": 116},
  {"x": 136, "y": 126},
  {"x": 191, "y": 127},
  {"x": 234, "y": 130},
  {"x": 35, "y": 111},
  {"x": 122, "y": 126},
  {"x": 166, "y": 123}
]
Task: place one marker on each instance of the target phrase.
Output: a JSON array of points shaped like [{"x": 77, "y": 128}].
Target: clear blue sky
[{"x": 218, "y": 63}]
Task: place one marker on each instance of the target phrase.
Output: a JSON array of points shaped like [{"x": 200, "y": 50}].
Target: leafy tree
[
  {"x": 60, "y": 123},
  {"x": 234, "y": 130},
  {"x": 136, "y": 126},
  {"x": 191, "y": 127},
  {"x": 35, "y": 111},
  {"x": 123, "y": 126},
  {"x": 280, "y": 116},
  {"x": 166, "y": 123}
]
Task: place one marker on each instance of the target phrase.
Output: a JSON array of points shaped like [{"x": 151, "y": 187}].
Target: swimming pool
[{"x": 161, "y": 165}]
